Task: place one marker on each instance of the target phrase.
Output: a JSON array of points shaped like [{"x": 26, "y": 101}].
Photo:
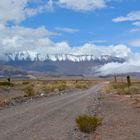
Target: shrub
[
  {"x": 128, "y": 91},
  {"x": 6, "y": 84},
  {"x": 60, "y": 85},
  {"x": 81, "y": 85},
  {"x": 29, "y": 91},
  {"x": 88, "y": 123},
  {"x": 25, "y": 83},
  {"x": 123, "y": 91}
]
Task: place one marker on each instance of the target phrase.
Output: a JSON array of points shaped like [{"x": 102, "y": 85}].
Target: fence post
[{"x": 128, "y": 81}]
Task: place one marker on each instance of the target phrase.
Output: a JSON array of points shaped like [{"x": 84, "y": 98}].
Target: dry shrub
[
  {"x": 5, "y": 83},
  {"x": 29, "y": 91},
  {"x": 82, "y": 85},
  {"x": 25, "y": 83},
  {"x": 122, "y": 88},
  {"x": 88, "y": 123},
  {"x": 57, "y": 85},
  {"x": 107, "y": 89}
]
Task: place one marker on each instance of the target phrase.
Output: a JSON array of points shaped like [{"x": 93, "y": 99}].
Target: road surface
[{"x": 45, "y": 119}]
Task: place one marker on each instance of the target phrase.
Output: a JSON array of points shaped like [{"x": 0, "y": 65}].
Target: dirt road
[{"x": 45, "y": 119}]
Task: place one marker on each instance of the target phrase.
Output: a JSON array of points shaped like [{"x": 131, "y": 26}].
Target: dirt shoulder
[{"x": 121, "y": 119}]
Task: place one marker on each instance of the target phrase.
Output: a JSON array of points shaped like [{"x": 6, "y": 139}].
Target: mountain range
[{"x": 65, "y": 64}]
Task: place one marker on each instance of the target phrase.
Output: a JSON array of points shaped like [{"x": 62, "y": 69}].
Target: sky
[{"x": 97, "y": 27}]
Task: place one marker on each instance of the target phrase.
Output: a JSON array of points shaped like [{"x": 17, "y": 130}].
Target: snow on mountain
[{"x": 60, "y": 57}]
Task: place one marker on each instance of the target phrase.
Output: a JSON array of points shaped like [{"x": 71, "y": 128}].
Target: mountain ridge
[{"x": 61, "y": 57}]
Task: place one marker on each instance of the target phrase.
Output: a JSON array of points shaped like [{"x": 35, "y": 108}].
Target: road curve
[{"x": 45, "y": 119}]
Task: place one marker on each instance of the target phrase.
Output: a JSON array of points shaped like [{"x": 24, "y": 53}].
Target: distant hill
[
  {"x": 6, "y": 70},
  {"x": 56, "y": 64}
]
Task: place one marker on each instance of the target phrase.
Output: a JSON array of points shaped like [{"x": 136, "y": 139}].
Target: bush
[
  {"x": 81, "y": 85},
  {"x": 88, "y": 123},
  {"x": 6, "y": 84},
  {"x": 29, "y": 91},
  {"x": 60, "y": 85},
  {"x": 119, "y": 85},
  {"x": 128, "y": 91},
  {"x": 25, "y": 83}
]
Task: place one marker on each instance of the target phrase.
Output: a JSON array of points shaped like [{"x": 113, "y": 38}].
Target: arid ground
[{"x": 46, "y": 110}]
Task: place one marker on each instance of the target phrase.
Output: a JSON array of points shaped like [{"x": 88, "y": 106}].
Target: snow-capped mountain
[
  {"x": 66, "y": 64},
  {"x": 61, "y": 57}
]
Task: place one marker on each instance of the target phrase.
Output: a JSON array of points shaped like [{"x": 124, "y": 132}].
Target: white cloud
[
  {"x": 21, "y": 39},
  {"x": 132, "y": 16},
  {"x": 130, "y": 66},
  {"x": 135, "y": 30},
  {"x": 119, "y": 50},
  {"x": 135, "y": 43},
  {"x": 136, "y": 23},
  {"x": 118, "y": 68},
  {"x": 36, "y": 41},
  {"x": 67, "y": 30},
  {"x": 16, "y": 38},
  {"x": 82, "y": 5},
  {"x": 19, "y": 10}
]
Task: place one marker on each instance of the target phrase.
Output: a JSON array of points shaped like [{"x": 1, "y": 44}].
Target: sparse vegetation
[
  {"x": 81, "y": 84},
  {"x": 125, "y": 88},
  {"x": 29, "y": 91},
  {"x": 29, "y": 88},
  {"x": 6, "y": 83},
  {"x": 25, "y": 83},
  {"x": 57, "y": 85},
  {"x": 88, "y": 123}
]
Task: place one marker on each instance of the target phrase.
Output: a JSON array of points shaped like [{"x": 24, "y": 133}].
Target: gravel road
[{"x": 47, "y": 118}]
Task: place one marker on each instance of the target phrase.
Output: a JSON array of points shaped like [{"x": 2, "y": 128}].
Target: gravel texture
[
  {"x": 48, "y": 118},
  {"x": 92, "y": 108},
  {"x": 121, "y": 120}
]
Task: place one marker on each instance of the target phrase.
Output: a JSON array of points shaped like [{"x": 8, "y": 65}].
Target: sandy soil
[
  {"x": 121, "y": 119},
  {"x": 47, "y": 118}
]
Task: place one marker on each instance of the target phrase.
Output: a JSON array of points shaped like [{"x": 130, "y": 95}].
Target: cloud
[
  {"x": 67, "y": 30},
  {"x": 82, "y": 5},
  {"x": 136, "y": 23},
  {"x": 33, "y": 41},
  {"x": 16, "y": 38},
  {"x": 132, "y": 16},
  {"x": 135, "y": 30},
  {"x": 119, "y": 50},
  {"x": 118, "y": 68},
  {"x": 18, "y": 10},
  {"x": 130, "y": 66},
  {"x": 37, "y": 41},
  {"x": 135, "y": 43}
]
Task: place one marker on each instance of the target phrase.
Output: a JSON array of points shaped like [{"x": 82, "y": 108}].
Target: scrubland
[
  {"x": 121, "y": 87},
  {"x": 21, "y": 89}
]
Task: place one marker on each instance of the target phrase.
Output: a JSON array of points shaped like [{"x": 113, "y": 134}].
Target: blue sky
[
  {"x": 83, "y": 27},
  {"x": 94, "y": 26},
  {"x": 97, "y": 27}
]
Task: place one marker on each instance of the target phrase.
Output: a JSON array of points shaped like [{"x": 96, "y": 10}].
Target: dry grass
[
  {"x": 122, "y": 88},
  {"x": 56, "y": 86},
  {"x": 107, "y": 89},
  {"x": 87, "y": 123},
  {"x": 6, "y": 83},
  {"x": 29, "y": 91},
  {"x": 39, "y": 87},
  {"x": 82, "y": 84}
]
